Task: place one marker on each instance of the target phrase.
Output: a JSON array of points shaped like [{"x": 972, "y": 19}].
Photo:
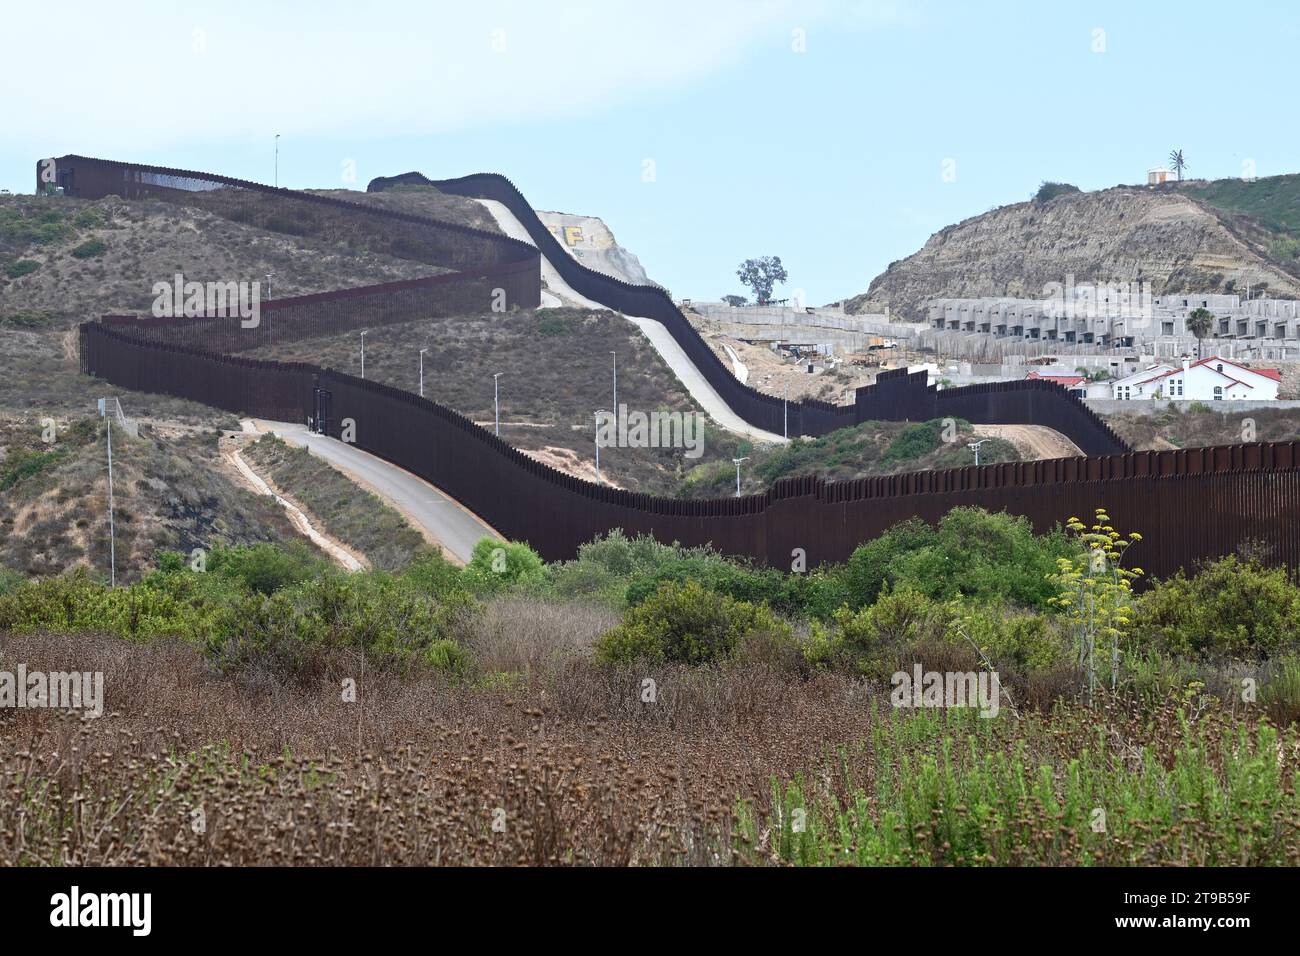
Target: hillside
[
  {"x": 1212, "y": 237},
  {"x": 1265, "y": 212},
  {"x": 172, "y": 491},
  {"x": 66, "y": 260}
]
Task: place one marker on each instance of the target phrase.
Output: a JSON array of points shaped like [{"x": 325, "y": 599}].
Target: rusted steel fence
[
  {"x": 1027, "y": 402},
  {"x": 1188, "y": 504}
]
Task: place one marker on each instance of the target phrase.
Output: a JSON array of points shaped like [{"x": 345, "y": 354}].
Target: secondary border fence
[
  {"x": 1188, "y": 504},
  {"x": 809, "y": 417}
]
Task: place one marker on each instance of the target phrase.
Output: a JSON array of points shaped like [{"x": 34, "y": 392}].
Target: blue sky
[{"x": 832, "y": 158}]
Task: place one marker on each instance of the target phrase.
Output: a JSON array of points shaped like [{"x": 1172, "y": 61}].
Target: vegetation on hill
[
  {"x": 171, "y": 491},
  {"x": 1201, "y": 426},
  {"x": 1050, "y": 190},
  {"x": 1266, "y": 211},
  {"x": 1272, "y": 201},
  {"x": 872, "y": 448}
]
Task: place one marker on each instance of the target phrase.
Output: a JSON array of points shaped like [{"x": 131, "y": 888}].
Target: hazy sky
[{"x": 703, "y": 132}]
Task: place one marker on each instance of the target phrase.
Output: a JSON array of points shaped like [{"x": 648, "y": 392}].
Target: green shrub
[
  {"x": 159, "y": 606},
  {"x": 971, "y": 553},
  {"x": 9, "y": 579},
  {"x": 265, "y": 568},
  {"x": 22, "y": 267},
  {"x": 27, "y": 319},
  {"x": 605, "y": 566},
  {"x": 1280, "y": 697},
  {"x": 871, "y": 639},
  {"x": 916, "y": 441},
  {"x": 716, "y": 573},
  {"x": 297, "y": 632},
  {"x": 89, "y": 219},
  {"x": 24, "y": 464},
  {"x": 552, "y": 325},
  {"x": 1230, "y": 608},
  {"x": 433, "y": 575},
  {"x": 1049, "y": 191},
  {"x": 685, "y": 623},
  {"x": 89, "y": 249},
  {"x": 497, "y": 565},
  {"x": 872, "y": 566},
  {"x": 1009, "y": 638},
  {"x": 449, "y": 657}
]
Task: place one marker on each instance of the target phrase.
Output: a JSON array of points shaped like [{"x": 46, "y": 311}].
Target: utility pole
[
  {"x": 363, "y": 353},
  {"x": 422, "y": 351},
  {"x": 496, "y": 401},
  {"x": 736, "y": 462},
  {"x": 614, "y": 355},
  {"x": 277, "y": 160},
  {"x": 112, "y": 530}
]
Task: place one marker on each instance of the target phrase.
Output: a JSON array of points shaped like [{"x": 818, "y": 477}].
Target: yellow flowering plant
[{"x": 1096, "y": 591}]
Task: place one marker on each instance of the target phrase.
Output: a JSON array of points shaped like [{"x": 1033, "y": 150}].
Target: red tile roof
[
  {"x": 1274, "y": 374},
  {"x": 1066, "y": 380}
]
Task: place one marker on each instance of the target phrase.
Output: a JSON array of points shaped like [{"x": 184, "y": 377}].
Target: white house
[
  {"x": 1139, "y": 384},
  {"x": 1213, "y": 379}
]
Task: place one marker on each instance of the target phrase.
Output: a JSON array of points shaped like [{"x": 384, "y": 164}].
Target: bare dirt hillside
[{"x": 1168, "y": 238}]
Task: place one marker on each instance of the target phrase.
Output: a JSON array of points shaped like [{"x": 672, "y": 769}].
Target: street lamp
[
  {"x": 736, "y": 462},
  {"x": 422, "y": 351},
  {"x": 785, "y": 409},
  {"x": 975, "y": 447},
  {"x": 598, "y": 414},
  {"x": 363, "y": 353},
  {"x": 112, "y": 531},
  {"x": 496, "y": 401}
]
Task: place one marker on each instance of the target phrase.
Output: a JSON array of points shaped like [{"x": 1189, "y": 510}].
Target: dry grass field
[{"x": 741, "y": 765}]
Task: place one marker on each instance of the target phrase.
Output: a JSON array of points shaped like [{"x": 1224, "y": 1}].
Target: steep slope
[
  {"x": 589, "y": 240},
  {"x": 1165, "y": 237}
]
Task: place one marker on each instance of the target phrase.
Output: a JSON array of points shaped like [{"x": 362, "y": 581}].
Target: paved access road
[
  {"x": 442, "y": 519},
  {"x": 705, "y": 395}
]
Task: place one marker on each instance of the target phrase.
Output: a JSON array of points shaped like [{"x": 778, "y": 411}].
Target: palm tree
[
  {"x": 1199, "y": 322},
  {"x": 1176, "y": 161}
]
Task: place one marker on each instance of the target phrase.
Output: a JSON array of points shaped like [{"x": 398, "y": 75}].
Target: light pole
[
  {"x": 112, "y": 531},
  {"x": 496, "y": 401},
  {"x": 975, "y": 447},
  {"x": 277, "y": 160},
  {"x": 598, "y": 414},
  {"x": 269, "y": 277},
  {"x": 614, "y": 355},
  {"x": 736, "y": 462},
  {"x": 422, "y": 351},
  {"x": 363, "y": 353}
]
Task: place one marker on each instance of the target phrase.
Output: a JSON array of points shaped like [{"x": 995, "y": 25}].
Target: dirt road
[{"x": 1034, "y": 441}]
